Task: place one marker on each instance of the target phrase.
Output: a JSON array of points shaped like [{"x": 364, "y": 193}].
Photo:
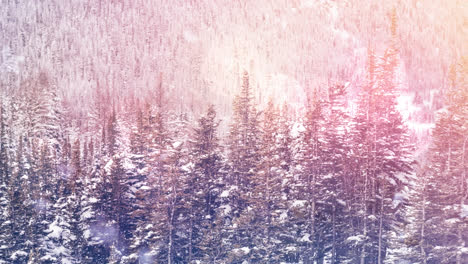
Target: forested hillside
[{"x": 233, "y": 132}]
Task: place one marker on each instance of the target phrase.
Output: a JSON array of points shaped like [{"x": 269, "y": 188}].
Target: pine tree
[
  {"x": 333, "y": 207},
  {"x": 383, "y": 157},
  {"x": 409, "y": 241},
  {"x": 110, "y": 224},
  {"x": 59, "y": 240},
  {"x": 118, "y": 214},
  {"x": 265, "y": 219},
  {"x": 157, "y": 158},
  {"x": 203, "y": 189},
  {"x": 448, "y": 188},
  {"x": 5, "y": 203},
  {"x": 21, "y": 207},
  {"x": 243, "y": 157},
  {"x": 309, "y": 154},
  {"x": 93, "y": 220},
  {"x": 168, "y": 210},
  {"x": 286, "y": 219},
  {"x": 138, "y": 179}
]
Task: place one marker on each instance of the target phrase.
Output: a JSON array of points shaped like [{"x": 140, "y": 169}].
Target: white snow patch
[
  {"x": 297, "y": 129},
  {"x": 227, "y": 193},
  {"x": 145, "y": 188},
  {"x": 399, "y": 198},
  {"x": 18, "y": 253},
  {"x": 87, "y": 234},
  {"x": 187, "y": 167},
  {"x": 291, "y": 249},
  {"x": 227, "y": 209},
  {"x": 391, "y": 181},
  {"x": 355, "y": 239},
  {"x": 243, "y": 250},
  {"x": 108, "y": 166},
  {"x": 464, "y": 211},
  {"x": 299, "y": 203},
  {"x": 177, "y": 144},
  {"x": 54, "y": 230},
  {"x": 128, "y": 164},
  {"x": 402, "y": 177},
  {"x": 224, "y": 194},
  {"x": 452, "y": 221},
  {"x": 283, "y": 216},
  {"x": 305, "y": 238},
  {"x": 87, "y": 214},
  {"x": 341, "y": 202}
]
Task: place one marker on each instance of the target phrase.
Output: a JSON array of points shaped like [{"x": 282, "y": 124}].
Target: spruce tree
[
  {"x": 333, "y": 182},
  {"x": 309, "y": 154},
  {"x": 448, "y": 187},
  {"x": 383, "y": 163},
  {"x": 243, "y": 147},
  {"x": 265, "y": 219},
  {"x": 204, "y": 188},
  {"x": 21, "y": 207},
  {"x": 5, "y": 202}
]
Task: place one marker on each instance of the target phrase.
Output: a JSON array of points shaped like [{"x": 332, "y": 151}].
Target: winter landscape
[{"x": 246, "y": 131}]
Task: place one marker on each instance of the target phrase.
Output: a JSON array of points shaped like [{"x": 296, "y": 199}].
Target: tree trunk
[
  {"x": 171, "y": 227},
  {"x": 464, "y": 194},
  {"x": 268, "y": 223},
  {"x": 423, "y": 225},
  {"x": 169, "y": 248},
  {"x": 333, "y": 259},
  {"x": 190, "y": 237},
  {"x": 379, "y": 256},
  {"x": 364, "y": 208}
]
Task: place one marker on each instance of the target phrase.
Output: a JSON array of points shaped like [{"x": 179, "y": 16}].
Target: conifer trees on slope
[
  {"x": 445, "y": 239},
  {"x": 437, "y": 209},
  {"x": 151, "y": 187},
  {"x": 382, "y": 157},
  {"x": 204, "y": 188}
]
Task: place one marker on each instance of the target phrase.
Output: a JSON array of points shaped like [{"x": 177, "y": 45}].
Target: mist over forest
[{"x": 289, "y": 131}]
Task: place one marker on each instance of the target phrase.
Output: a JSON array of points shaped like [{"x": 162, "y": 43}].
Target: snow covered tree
[
  {"x": 382, "y": 149},
  {"x": 334, "y": 217},
  {"x": 147, "y": 240},
  {"x": 446, "y": 217},
  {"x": 265, "y": 217},
  {"x": 408, "y": 240},
  {"x": 243, "y": 138},
  {"x": 117, "y": 199},
  {"x": 309, "y": 155},
  {"x": 243, "y": 145},
  {"x": 97, "y": 164},
  {"x": 167, "y": 214},
  {"x": 5, "y": 202},
  {"x": 62, "y": 240},
  {"x": 58, "y": 245},
  {"x": 97, "y": 235},
  {"x": 203, "y": 189},
  {"x": 138, "y": 180},
  {"x": 21, "y": 206},
  {"x": 108, "y": 199}
]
